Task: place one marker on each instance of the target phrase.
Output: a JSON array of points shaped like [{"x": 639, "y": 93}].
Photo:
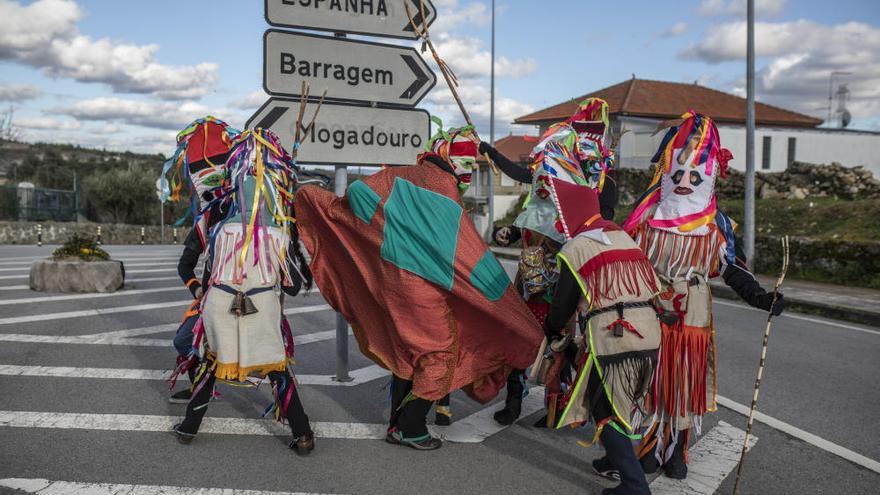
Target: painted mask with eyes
[
  {"x": 459, "y": 148},
  {"x": 689, "y": 161}
]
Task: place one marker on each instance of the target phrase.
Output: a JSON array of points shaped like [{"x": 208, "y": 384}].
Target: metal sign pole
[
  {"x": 341, "y": 182},
  {"x": 491, "y": 191},
  {"x": 749, "y": 203},
  {"x": 161, "y": 224}
]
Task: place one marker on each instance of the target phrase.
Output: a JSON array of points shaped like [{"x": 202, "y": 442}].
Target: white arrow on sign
[
  {"x": 350, "y": 70},
  {"x": 349, "y": 135},
  {"x": 385, "y": 18}
]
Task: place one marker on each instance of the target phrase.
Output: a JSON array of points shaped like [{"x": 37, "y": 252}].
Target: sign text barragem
[{"x": 350, "y": 70}]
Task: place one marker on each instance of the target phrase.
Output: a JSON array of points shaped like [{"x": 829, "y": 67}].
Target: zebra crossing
[{"x": 86, "y": 373}]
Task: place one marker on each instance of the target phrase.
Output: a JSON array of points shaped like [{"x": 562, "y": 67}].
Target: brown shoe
[{"x": 304, "y": 444}]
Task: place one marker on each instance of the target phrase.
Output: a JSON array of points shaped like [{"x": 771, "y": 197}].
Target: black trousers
[
  {"x": 198, "y": 404},
  {"x": 410, "y": 418},
  {"x": 600, "y": 408}
]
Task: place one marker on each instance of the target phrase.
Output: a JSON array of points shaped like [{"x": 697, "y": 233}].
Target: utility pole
[
  {"x": 491, "y": 192},
  {"x": 749, "y": 203}
]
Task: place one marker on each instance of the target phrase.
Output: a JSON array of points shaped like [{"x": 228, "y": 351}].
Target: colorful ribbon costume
[{"x": 677, "y": 225}]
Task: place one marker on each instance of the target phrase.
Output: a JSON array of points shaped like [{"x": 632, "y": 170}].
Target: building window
[
  {"x": 792, "y": 150},
  {"x": 765, "y": 154}
]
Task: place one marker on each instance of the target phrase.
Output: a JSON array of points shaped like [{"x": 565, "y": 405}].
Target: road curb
[{"x": 792, "y": 303}]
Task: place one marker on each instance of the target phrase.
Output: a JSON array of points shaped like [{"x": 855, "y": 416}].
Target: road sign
[
  {"x": 386, "y": 18},
  {"x": 350, "y": 70},
  {"x": 345, "y": 134}
]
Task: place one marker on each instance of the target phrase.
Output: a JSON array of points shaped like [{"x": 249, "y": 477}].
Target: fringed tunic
[
  {"x": 609, "y": 274},
  {"x": 684, "y": 385}
]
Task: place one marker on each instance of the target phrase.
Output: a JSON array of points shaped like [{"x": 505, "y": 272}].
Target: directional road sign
[
  {"x": 350, "y": 70},
  {"x": 386, "y": 18},
  {"x": 349, "y": 135}
]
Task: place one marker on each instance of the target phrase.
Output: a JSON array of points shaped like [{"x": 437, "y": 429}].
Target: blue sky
[{"x": 74, "y": 70}]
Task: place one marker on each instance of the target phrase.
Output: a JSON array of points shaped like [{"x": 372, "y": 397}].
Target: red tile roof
[
  {"x": 667, "y": 100},
  {"x": 516, "y": 148}
]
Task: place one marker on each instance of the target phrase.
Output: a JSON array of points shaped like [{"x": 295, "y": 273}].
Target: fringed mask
[
  {"x": 590, "y": 122},
  {"x": 689, "y": 161},
  {"x": 202, "y": 149},
  {"x": 459, "y": 148}
]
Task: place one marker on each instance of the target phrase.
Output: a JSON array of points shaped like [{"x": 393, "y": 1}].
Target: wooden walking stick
[
  {"x": 448, "y": 75},
  {"x": 761, "y": 363}
]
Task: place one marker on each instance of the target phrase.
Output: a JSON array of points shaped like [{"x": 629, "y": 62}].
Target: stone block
[{"x": 77, "y": 276}]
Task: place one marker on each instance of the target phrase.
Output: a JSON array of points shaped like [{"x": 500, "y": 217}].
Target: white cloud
[
  {"x": 47, "y": 123},
  {"x": 106, "y": 129},
  {"x": 250, "y": 102},
  {"x": 676, "y": 29},
  {"x": 18, "y": 92},
  {"x": 44, "y": 35},
  {"x": 799, "y": 56},
  {"x": 476, "y": 99},
  {"x": 452, "y": 16},
  {"x": 467, "y": 58},
  {"x": 159, "y": 115},
  {"x": 763, "y": 8}
]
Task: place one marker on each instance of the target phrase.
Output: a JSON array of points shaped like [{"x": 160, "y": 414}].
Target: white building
[{"x": 781, "y": 136}]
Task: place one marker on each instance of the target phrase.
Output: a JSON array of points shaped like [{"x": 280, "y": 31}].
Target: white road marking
[
  {"x": 128, "y": 309},
  {"x": 361, "y": 376},
  {"x": 18, "y": 269},
  {"x": 712, "y": 459},
  {"x": 481, "y": 425},
  {"x": 71, "y": 297},
  {"x": 123, "y": 337},
  {"x": 127, "y": 281},
  {"x": 127, "y": 272},
  {"x": 801, "y": 317},
  {"x": 221, "y": 426},
  {"x": 802, "y": 435},
  {"x": 47, "y": 487},
  {"x": 90, "y": 312}
]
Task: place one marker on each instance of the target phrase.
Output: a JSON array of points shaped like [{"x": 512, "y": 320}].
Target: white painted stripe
[
  {"x": 128, "y": 309},
  {"x": 127, "y": 281},
  {"x": 360, "y": 376},
  {"x": 47, "y": 487},
  {"x": 220, "y": 426},
  {"x": 71, "y": 297},
  {"x": 127, "y": 272},
  {"x": 819, "y": 321},
  {"x": 90, "y": 312},
  {"x": 481, "y": 425},
  {"x": 16, "y": 269},
  {"x": 800, "y": 434},
  {"x": 123, "y": 337},
  {"x": 307, "y": 309},
  {"x": 712, "y": 459}
]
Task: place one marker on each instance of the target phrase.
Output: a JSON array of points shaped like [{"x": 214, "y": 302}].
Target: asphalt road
[{"x": 97, "y": 424}]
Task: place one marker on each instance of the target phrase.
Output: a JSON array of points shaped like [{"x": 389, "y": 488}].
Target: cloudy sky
[{"x": 128, "y": 74}]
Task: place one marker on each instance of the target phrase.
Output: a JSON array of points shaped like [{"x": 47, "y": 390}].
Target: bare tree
[{"x": 8, "y": 130}]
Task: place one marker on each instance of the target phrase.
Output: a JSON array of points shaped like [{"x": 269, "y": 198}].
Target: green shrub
[{"x": 82, "y": 247}]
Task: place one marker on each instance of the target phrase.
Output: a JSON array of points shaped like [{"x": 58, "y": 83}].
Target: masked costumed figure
[
  {"x": 608, "y": 282},
  {"x": 575, "y": 152},
  {"x": 200, "y": 159},
  {"x": 251, "y": 254},
  {"x": 399, "y": 257},
  {"x": 689, "y": 241}
]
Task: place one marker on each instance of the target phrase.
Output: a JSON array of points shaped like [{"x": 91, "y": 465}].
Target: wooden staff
[
  {"x": 448, "y": 75},
  {"x": 302, "y": 131},
  {"x": 761, "y": 364}
]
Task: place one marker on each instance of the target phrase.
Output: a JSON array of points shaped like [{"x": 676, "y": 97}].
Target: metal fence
[{"x": 37, "y": 204}]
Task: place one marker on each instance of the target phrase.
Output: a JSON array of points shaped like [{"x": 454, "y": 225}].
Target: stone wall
[
  {"x": 58, "y": 232},
  {"x": 801, "y": 180},
  {"x": 854, "y": 263}
]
